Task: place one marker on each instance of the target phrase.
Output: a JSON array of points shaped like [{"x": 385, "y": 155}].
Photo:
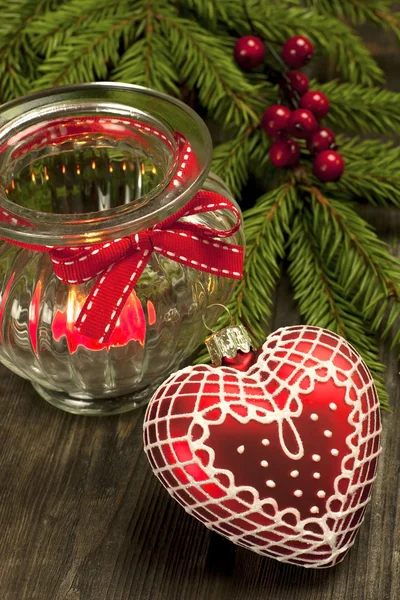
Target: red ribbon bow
[{"x": 118, "y": 264}]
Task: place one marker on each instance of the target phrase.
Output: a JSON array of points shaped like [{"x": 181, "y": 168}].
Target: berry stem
[
  {"x": 290, "y": 94},
  {"x": 279, "y": 60}
]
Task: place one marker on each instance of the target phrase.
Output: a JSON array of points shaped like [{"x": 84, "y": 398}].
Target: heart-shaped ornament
[{"x": 279, "y": 458}]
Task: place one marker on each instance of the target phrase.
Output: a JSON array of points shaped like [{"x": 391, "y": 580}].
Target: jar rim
[{"x": 170, "y": 115}]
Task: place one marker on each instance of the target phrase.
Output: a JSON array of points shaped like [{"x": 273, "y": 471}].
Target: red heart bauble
[{"x": 281, "y": 458}]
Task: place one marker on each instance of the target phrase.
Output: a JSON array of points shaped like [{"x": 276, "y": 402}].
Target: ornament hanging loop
[
  {"x": 216, "y": 328},
  {"x": 228, "y": 341}
]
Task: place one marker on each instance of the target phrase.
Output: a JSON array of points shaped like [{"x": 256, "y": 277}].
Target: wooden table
[{"x": 82, "y": 517}]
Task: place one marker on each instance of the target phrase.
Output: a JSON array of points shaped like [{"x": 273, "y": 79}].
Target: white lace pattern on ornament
[{"x": 339, "y": 507}]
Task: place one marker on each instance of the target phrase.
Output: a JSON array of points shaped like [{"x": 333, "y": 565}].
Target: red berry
[
  {"x": 299, "y": 82},
  {"x": 275, "y": 119},
  {"x": 294, "y": 151},
  {"x": 249, "y": 51},
  {"x": 302, "y": 123},
  {"x": 328, "y": 165},
  {"x": 322, "y": 139},
  {"x": 297, "y": 51},
  {"x": 284, "y": 153},
  {"x": 317, "y": 102}
]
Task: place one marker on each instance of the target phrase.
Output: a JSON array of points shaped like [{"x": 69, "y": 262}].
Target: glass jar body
[
  {"x": 160, "y": 326},
  {"x": 159, "y": 330}
]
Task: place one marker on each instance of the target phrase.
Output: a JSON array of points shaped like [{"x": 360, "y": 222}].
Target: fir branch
[
  {"x": 338, "y": 41},
  {"x": 17, "y": 61},
  {"x": 389, "y": 20},
  {"x": 259, "y": 154},
  {"x": 148, "y": 61},
  {"x": 371, "y": 172},
  {"x": 206, "y": 64},
  {"x": 231, "y": 160},
  {"x": 362, "y": 109},
  {"x": 357, "y": 148},
  {"x": 209, "y": 11},
  {"x": 356, "y": 11},
  {"x": 51, "y": 29},
  {"x": 86, "y": 55},
  {"x": 267, "y": 226},
  {"x": 321, "y": 298},
  {"x": 368, "y": 274},
  {"x": 371, "y": 185}
]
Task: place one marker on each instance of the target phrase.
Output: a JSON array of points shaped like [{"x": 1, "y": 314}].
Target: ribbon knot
[{"x": 141, "y": 241}]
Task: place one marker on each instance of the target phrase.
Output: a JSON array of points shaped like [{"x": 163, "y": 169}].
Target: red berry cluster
[{"x": 284, "y": 124}]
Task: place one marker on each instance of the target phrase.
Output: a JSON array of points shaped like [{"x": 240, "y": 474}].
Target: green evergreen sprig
[
  {"x": 362, "y": 109},
  {"x": 267, "y": 225},
  {"x": 372, "y": 171},
  {"x": 375, "y": 11},
  {"x": 321, "y": 297}
]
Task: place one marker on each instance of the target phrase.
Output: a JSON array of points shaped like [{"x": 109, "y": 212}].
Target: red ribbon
[{"x": 118, "y": 264}]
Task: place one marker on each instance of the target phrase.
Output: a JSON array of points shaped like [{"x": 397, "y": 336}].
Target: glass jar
[{"x": 75, "y": 171}]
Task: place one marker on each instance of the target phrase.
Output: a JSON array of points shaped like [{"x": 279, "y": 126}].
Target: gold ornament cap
[{"x": 226, "y": 342}]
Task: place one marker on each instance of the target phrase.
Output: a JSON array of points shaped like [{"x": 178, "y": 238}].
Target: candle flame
[
  {"x": 73, "y": 307},
  {"x": 151, "y": 312},
  {"x": 131, "y": 324}
]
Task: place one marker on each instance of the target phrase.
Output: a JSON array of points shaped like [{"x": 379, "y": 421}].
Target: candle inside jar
[{"x": 131, "y": 324}]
